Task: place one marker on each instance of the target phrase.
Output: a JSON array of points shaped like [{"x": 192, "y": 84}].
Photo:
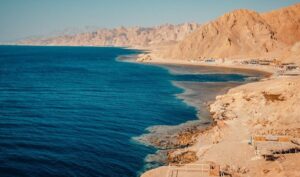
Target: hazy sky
[{"x": 23, "y": 18}]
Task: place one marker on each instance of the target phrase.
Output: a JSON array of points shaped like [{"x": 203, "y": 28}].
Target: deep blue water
[{"x": 72, "y": 111}]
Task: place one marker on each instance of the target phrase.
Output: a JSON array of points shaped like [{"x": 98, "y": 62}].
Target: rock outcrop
[{"x": 269, "y": 107}]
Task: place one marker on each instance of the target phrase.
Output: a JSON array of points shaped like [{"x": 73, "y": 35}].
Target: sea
[{"x": 74, "y": 111}]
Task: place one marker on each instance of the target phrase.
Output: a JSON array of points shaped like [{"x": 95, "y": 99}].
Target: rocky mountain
[
  {"x": 242, "y": 33},
  {"x": 235, "y": 35},
  {"x": 132, "y": 37},
  {"x": 286, "y": 23}
]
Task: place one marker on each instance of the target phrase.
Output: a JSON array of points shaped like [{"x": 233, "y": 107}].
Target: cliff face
[
  {"x": 286, "y": 23},
  {"x": 241, "y": 33},
  {"x": 133, "y": 37}
]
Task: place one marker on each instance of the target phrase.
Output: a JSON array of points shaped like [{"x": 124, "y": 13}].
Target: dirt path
[{"x": 233, "y": 148}]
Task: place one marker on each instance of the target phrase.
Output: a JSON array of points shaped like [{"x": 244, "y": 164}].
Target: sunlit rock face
[{"x": 243, "y": 34}]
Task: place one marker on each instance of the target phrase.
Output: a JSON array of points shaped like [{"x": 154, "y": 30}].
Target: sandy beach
[{"x": 154, "y": 59}]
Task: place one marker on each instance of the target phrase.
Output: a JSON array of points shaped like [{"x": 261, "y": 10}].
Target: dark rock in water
[
  {"x": 173, "y": 137},
  {"x": 170, "y": 138},
  {"x": 159, "y": 157}
]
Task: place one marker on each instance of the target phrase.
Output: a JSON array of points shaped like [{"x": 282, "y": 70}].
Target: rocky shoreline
[
  {"x": 236, "y": 115},
  {"x": 172, "y": 141}
]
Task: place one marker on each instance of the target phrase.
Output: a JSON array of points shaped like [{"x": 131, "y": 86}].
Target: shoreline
[
  {"x": 190, "y": 130},
  {"x": 253, "y": 107},
  {"x": 170, "y": 66},
  {"x": 218, "y": 129},
  {"x": 194, "y": 130},
  {"x": 267, "y": 71}
]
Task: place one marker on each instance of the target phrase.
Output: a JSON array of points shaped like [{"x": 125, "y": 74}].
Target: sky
[{"x": 27, "y": 18}]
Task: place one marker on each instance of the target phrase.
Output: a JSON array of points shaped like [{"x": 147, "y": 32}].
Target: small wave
[{"x": 167, "y": 137}]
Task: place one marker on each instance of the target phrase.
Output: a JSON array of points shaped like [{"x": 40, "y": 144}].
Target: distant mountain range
[{"x": 130, "y": 37}]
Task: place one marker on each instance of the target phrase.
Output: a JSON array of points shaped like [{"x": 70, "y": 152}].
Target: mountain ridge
[
  {"x": 121, "y": 36},
  {"x": 242, "y": 34}
]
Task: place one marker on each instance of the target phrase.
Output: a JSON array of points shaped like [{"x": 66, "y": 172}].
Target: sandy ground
[
  {"x": 156, "y": 60},
  {"x": 270, "y": 106}
]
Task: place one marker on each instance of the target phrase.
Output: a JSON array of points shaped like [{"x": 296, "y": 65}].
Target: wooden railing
[{"x": 202, "y": 169}]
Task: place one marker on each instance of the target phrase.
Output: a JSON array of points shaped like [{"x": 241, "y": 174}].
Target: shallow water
[{"x": 73, "y": 111}]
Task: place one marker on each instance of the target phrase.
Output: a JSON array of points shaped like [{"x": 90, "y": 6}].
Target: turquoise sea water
[{"x": 73, "y": 111}]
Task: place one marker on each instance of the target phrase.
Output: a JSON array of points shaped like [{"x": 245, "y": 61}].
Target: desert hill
[
  {"x": 242, "y": 34},
  {"x": 286, "y": 23}
]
